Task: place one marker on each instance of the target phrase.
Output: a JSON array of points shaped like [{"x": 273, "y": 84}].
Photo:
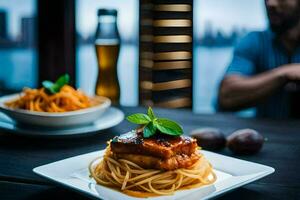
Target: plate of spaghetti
[
  {"x": 158, "y": 167},
  {"x": 66, "y": 106},
  {"x": 154, "y": 161},
  {"x": 154, "y": 167}
]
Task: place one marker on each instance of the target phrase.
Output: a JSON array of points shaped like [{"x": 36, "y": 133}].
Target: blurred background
[
  {"x": 216, "y": 26},
  {"x": 18, "y": 37},
  {"x": 86, "y": 23}
]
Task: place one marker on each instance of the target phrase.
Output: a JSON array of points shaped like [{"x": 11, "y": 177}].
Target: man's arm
[{"x": 238, "y": 92}]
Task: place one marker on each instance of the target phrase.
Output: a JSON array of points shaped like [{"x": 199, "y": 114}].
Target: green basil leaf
[
  {"x": 168, "y": 127},
  {"x": 52, "y": 90},
  {"x": 151, "y": 113},
  {"x": 63, "y": 80},
  {"x": 55, "y": 87},
  {"x": 139, "y": 118},
  {"x": 149, "y": 130},
  {"x": 48, "y": 85}
]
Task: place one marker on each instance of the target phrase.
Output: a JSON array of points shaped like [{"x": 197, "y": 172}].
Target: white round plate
[
  {"x": 62, "y": 119},
  {"x": 111, "y": 117}
]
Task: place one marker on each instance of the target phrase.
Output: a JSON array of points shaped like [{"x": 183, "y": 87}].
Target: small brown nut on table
[
  {"x": 245, "y": 141},
  {"x": 209, "y": 138}
]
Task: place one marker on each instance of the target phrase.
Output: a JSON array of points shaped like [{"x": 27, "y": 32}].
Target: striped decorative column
[{"x": 165, "y": 61}]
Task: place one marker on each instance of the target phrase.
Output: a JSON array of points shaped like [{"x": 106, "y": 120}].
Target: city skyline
[
  {"x": 17, "y": 9},
  {"x": 219, "y": 18},
  {"x": 26, "y": 38},
  {"x": 227, "y": 14},
  {"x": 224, "y": 15}
]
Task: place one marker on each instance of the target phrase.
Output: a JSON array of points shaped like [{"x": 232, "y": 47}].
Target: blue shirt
[{"x": 259, "y": 52}]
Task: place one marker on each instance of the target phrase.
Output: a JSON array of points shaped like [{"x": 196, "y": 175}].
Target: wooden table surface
[{"x": 19, "y": 155}]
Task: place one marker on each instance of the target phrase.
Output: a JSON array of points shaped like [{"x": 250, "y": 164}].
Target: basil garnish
[
  {"x": 54, "y": 88},
  {"x": 152, "y": 124}
]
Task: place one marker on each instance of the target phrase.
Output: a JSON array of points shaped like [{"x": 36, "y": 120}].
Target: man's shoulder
[
  {"x": 252, "y": 40},
  {"x": 256, "y": 36}
]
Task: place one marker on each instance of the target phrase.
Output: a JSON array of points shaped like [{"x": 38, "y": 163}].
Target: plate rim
[{"x": 255, "y": 176}]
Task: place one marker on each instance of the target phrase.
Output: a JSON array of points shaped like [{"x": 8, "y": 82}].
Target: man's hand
[
  {"x": 290, "y": 72},
  {"x": 237, "y": 92}
]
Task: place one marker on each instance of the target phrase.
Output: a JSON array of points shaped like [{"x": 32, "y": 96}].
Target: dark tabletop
[{"x": 19, "y": 155}]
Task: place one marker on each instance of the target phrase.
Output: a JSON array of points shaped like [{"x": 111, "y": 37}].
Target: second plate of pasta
[{"x": 61, "y": 118}]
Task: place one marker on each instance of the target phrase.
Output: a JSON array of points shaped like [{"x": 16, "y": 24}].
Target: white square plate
[{"x": 231, "y": 173}]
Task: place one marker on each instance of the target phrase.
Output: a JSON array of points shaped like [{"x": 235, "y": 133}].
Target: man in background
[{"x": 266, "y": 66}]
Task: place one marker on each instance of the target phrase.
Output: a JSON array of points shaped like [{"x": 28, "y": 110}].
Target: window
[
  {"x": 18, "y": 56},
  {"x": 87, "y": 69},
  {"x": 217, "y": 25}
]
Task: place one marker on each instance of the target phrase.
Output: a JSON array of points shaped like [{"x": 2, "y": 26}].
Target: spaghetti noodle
[
  {"x": 67, "y": 99},
  {"x": 136, "y": 181}
]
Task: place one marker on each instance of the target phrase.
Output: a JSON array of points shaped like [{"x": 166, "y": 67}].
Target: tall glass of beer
[{"x": 107, "y": 44}]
